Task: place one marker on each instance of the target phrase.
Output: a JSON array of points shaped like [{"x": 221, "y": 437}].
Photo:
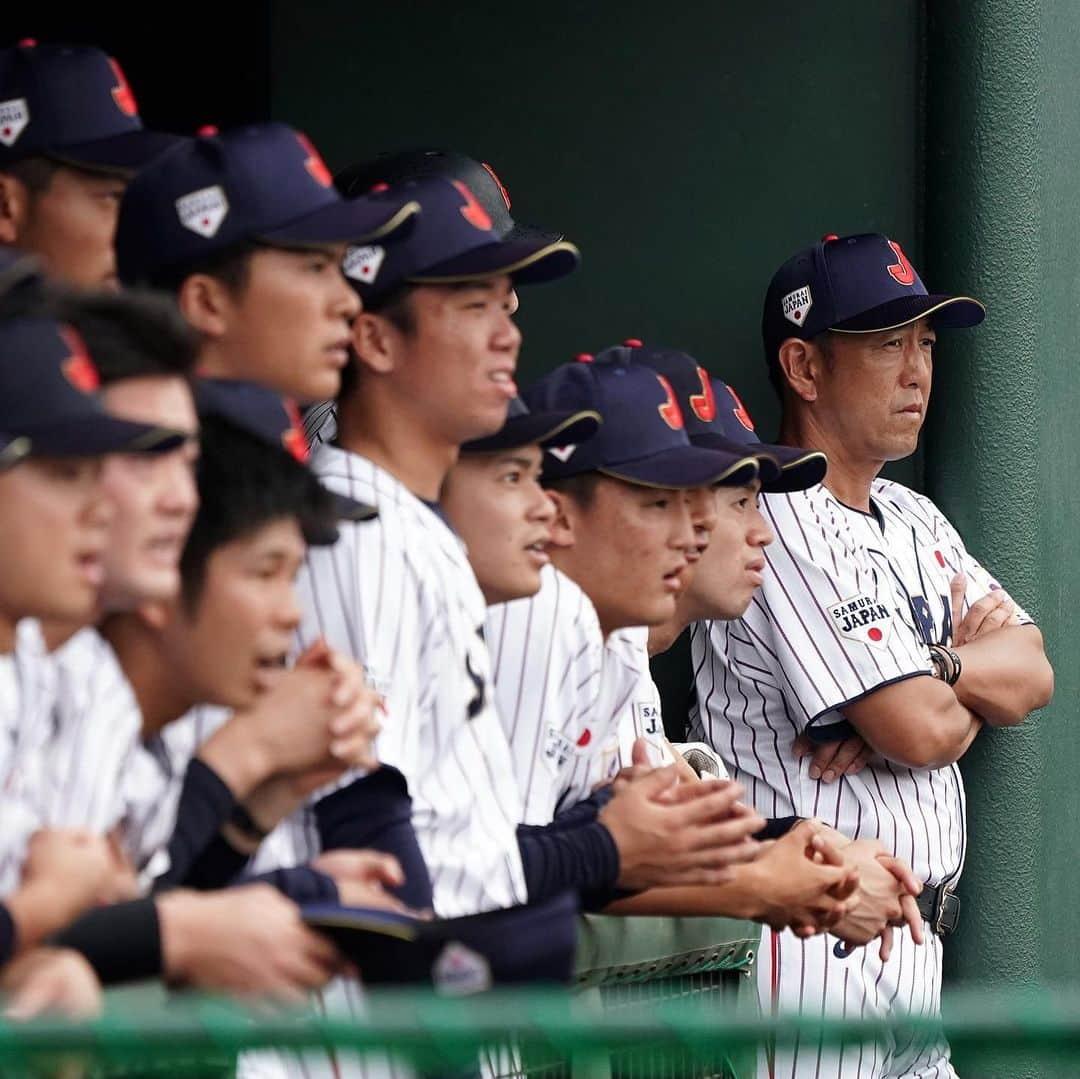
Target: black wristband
[
  {"x": 122, "y": 942},
  {"x": 957, "y": 666},
  {"x": 246, "y": 824}
]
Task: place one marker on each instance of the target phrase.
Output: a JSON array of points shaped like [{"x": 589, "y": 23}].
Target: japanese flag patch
[
  {"x": 796, "y": 305},
  {"x": 362, "y": 263},
  {"x": 861, "y": 618},
  {"x": 14, "y": 116},
  {"x": 203, "y": 211}
]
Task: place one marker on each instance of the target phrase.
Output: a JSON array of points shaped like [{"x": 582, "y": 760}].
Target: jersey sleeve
[
  {"x": 825, "y": 620},
  {"x": 364, "y": 597}
]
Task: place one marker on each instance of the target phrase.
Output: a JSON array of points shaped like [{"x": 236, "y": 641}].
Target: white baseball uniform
[
  {"x": 570, "y": 700},
  {"x": 850, "y": 603},
  {"x": 398, "y": 594},
  {"x": 26, "y": 680},
  {"x": 547, "y": 655}
]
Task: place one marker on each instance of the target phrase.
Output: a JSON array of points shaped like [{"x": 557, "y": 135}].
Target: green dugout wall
[{"x": 689, "y": 148}]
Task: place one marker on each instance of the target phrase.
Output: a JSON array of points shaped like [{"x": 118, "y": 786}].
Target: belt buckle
[{"x": 946, "y": 910}]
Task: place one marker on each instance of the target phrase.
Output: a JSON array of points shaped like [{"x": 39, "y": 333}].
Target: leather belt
[{"x": 940, "y": 906}]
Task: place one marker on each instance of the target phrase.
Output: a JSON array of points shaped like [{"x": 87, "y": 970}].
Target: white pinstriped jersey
[
  {"x": 26, "y": 678},
  {"x": 546, "y": 655},
  {"x": 850, "y": 603},
  {"x": 320, "y": 423},
  {"x": 568, "y": 698},
  {"x": 644, "y": 717},
  {"x": 398, "y": 595},
  {"x": 96, "y": 728}
]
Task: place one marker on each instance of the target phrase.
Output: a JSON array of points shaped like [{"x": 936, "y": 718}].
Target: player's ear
[
  {"x": 14, "y": 203},
  {"x": 800, "y": 364},
  {"x": 373, "y": 339},
  {"x": 205, "y": 302},
  {"x": 562, "y": 527}
]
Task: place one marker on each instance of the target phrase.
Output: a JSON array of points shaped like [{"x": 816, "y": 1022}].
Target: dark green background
[{"x": 687, "y": 148}]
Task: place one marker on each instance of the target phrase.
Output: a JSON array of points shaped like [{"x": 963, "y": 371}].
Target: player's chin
[
  {"x": 76, "y": 605},
  {"x": 658, "y": 609},
  {"x": 320, "y": 381}
]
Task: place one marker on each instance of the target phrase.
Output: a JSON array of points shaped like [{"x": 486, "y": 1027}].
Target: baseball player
[
  {"x": 783, "y": 886},
  {"x": 437, "y": 321},
  {"x": 409, "y": 166},
  {"x": 70, "y": 140},
  {"x": 57, "y": 515},
  {"x": 547, "y": 652},
  {"x": 872, "y": 615},
  {"x": 223, "y": 640},
  {"x": 246, "y": 230}
]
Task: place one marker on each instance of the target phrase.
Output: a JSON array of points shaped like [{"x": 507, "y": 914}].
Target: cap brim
[
  {"x": 349, "y": 509},
  {"x": 125, "y": 153},
  {"x": 538, "y": 428},
  {"x": 949, "y": 313},
  {"x": 95, "y": 435},
  {"x": 799, "y": 468},
  {"x": 528, "y": 262},
  {"x": 348, "y": 221},
  {"x": 383, "y": 943},
  {"x": 682, "y": 467},
  {"x": 769, "y": 470},
  {"x": 344, "y": 509},
  {"x": 13, "y": 448},
  {"x": 529, "y": 233}
]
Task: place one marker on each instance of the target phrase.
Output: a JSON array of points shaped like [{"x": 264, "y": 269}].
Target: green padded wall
[
  {"x": 1002, "y": 196},
  {"x": 687, "y": 148}
]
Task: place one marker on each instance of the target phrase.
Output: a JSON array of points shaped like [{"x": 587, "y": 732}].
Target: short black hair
[
  {"x": 580, "y": 487},
  {"x": 245, "y": 485},
  {"x": 132, "y": 334},
  {"x": 34, "y": 173},
  {"x": 231, "y": 266}
]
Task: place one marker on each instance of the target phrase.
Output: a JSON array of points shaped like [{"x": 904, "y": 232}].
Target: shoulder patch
[{"x": 861, "y": 618}]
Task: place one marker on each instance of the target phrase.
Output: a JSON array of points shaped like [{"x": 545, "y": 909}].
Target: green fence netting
[{"x": 190, "y": 1036}]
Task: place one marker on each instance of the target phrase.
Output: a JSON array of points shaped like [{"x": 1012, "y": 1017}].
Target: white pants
[{"x": 806, "y": 976}]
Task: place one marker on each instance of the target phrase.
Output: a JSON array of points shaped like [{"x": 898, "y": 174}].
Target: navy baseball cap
[
  {"x": 855, "y": 284},
  {"x": 642, "y": 438},
  {"x": 264, "y": 183},
  {"x": 48, "y": 402},
  {"x": 526, "y": 428},
  {"x": 454, "y": 241},
  {"x": 478, "y": 176},
  {"x": 71, "y": 103},
  {"x": 275, "y": 421},
  {"x": 717, "y": 419}
]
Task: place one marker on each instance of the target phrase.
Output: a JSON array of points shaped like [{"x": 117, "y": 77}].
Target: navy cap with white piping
[
  {"x": 71, "y": 103},
  {"x": 48, "y": 399},
  {"x": 263, "y": 183},
  {"x": 454, "y": 241},
  {"x": 642, "y": 438},
  {"x": 855, "y": 284}
]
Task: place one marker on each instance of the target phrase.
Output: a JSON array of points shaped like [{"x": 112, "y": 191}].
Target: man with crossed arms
[{"x": 872, "y": 620}]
